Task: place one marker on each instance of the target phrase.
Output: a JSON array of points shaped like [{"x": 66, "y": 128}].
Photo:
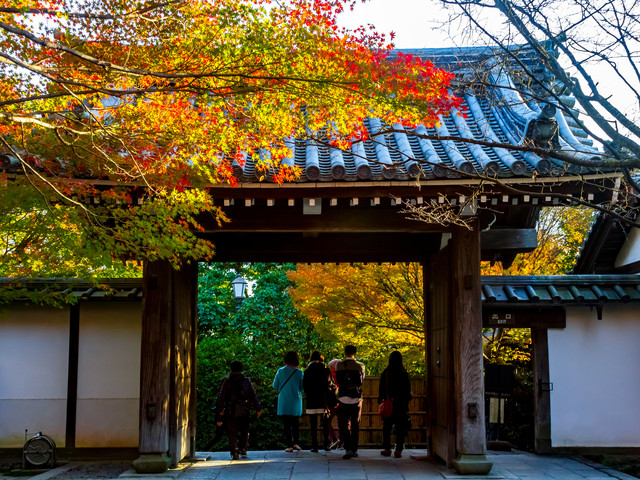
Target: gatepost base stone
[
  {"x": 152, "y": 463},
  {"x": 472, "y": 465}
]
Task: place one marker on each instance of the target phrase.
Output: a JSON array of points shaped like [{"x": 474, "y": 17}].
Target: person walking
[
  {"x": 235, "y": 400},
  {"x": 350, "y": 374},
  {"x": 316, "y": 383},
  {"x": 288, "y": 383},
  {"x": 395, "y": 384}
]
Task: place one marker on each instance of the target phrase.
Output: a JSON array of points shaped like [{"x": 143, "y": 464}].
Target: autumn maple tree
[
  {"x": 106, "y": 104},
  {"x": 379, "y": 308},
  {"x": 561, "y": 233}
]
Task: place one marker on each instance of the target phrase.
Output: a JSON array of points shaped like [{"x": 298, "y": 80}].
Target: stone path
[{"x": 370, "y": 465}]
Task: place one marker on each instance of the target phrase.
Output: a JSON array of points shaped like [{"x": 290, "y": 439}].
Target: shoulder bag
[{"x": 385, "y": 409}]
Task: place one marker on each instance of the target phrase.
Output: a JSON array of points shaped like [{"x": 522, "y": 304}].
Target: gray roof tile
[{"x": 496, "y": 290}]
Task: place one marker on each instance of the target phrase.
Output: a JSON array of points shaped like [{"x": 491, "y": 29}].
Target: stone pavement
[{"x": 370, "y": 465}]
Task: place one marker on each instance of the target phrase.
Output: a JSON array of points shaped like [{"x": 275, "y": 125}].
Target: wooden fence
[{"x": 371, "y": 423}]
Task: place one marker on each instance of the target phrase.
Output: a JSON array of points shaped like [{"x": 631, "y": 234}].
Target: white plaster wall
[
  {"x": 109, "y": 374},
  {"x": 34, "y": 355},
  {"x": 595, "y": 370},
  {"x": 630, "y": 251}
]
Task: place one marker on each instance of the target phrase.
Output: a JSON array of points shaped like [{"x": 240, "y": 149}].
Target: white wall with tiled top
[{"x": 594, "y": 366}]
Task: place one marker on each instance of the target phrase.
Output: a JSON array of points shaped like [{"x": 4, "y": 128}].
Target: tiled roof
[
  {"x": 523, "y": 290},
  {"x": 559, "y": 290},
  {"x": 121, "y": 289},
  {"x": 497, "y": 114},
  {"x": 490, "y": 114}
]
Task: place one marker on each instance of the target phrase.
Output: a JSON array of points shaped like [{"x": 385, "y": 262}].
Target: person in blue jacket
[{"x": 288, "y": 383}]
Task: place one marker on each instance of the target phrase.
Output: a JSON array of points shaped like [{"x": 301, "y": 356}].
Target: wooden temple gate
[
  {"x": 347, "y": 207},
  {"x": 273, "y": 223}
]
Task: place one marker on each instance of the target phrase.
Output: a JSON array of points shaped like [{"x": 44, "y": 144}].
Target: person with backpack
[
  {"x": 350, "y": 374},
  {"x": 317, "y": 383},
  {"x": 288, "y": 383},
  {"x": 235, "y": 400}
]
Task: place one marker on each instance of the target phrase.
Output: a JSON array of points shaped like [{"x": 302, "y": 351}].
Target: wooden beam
[
  {"x": 323, "y": 247},
  {"x": 155, "y": 368},
  {"x": 261, "y": 218},
  {"x": 365, "y": 217},
  {"x": 72, "y": 376},
  {"x": 467, "y": 353},
  {"x": 512, "y": 239},
  {"x": 542, "y": 388},
  {"x": 184, "y": 283},
  {"x": 428, "y": 357}
]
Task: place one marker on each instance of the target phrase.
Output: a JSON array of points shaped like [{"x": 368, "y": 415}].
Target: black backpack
[
  {"x": 350, "y": 383},
  {"x": 238, "y": 403}
]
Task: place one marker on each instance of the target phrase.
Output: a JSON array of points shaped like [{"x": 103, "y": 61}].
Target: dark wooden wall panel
[
  {"x": 182, "y": 362},
  {"x": 155, "y": 382},
  {"x": 439, "y": 356},
  {"x": 466, "y": 320}
]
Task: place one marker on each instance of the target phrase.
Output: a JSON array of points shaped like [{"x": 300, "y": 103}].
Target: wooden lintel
[
  {"x": 324, "y": 247},
  {"x": 293, "y": 219},
  {"x": 514, "y": 239}
]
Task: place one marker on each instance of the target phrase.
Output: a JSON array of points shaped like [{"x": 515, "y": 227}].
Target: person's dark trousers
[
  {"x": 349, "y": 414},
  {"x": 387, "y": 425},
  {"x": 313, "y": 425},
  {"x": 291, "y": 430},
  {"x": 238, "y": 432}
]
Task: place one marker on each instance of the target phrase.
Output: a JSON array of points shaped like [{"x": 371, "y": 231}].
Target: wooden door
[
  {"x": 439, "y": 356},
  {"x": 182, "y": 363},
  {"x": 167, "y": 381}
]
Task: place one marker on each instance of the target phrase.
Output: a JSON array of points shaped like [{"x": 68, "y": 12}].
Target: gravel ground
[{"x": 94, "y": 470}]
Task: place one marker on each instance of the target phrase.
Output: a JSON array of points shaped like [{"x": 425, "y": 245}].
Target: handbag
[{"x": 385, "y": 409}]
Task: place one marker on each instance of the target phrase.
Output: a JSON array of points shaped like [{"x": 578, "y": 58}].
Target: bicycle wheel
[{"x": 38, "y": 451}]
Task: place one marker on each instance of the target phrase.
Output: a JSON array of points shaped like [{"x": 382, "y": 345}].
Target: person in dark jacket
[
  {"x": 350, "y": 374},
  {"x": 235, "y": 400},
  {"x": 395, "y": 384},
  {"x": 316, "y": 383}
]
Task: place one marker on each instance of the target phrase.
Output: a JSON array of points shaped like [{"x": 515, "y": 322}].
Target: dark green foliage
[
  {"x": 258, "y": 333},
  {"x": 519, "y": 422},
  {"x": 513, "y": 347}
]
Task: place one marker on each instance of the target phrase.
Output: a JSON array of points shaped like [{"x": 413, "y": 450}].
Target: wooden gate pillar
[
  {"x": 467, "y": 353},
  {"x": 166, "y": 367},
  {"x": 542, "y": 397},
  {"x": 155, "y": 369}
]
